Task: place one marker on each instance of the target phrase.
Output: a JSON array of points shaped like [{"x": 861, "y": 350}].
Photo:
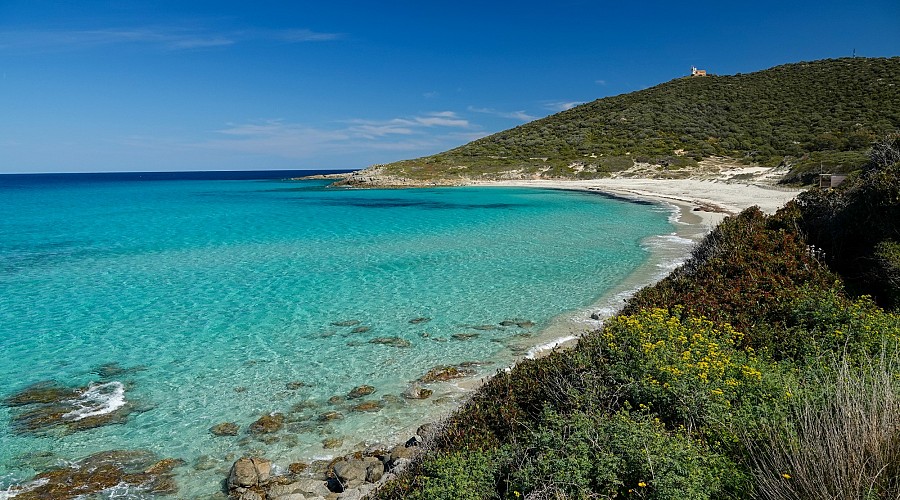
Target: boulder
[
  {"x": 350, "y": 473},
  {"x": 249, "y": 473},
  {"x": 267, "y": 423},
  {"x": 250, "y": 495}
]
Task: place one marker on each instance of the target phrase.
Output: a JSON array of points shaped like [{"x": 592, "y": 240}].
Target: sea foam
[{"x": 99, "y": 399}]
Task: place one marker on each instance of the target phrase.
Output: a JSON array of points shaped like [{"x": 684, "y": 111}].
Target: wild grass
[{"x": 839, "y": 443}]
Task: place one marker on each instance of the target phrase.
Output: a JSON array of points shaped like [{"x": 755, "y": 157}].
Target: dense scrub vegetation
[
  {"x": 750, "y": 372},
  {"x": 814, "y": 116}
]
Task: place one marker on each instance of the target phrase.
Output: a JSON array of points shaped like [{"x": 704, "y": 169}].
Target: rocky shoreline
[{"x": 350, "y": 477}]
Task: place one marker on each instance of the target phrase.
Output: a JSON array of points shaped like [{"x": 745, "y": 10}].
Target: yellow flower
[
  {"x": 786, "y": 475},
  {"x": 642, "y": 484}
]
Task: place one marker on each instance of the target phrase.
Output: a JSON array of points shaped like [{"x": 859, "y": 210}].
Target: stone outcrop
[{"x": 358, "y": 392}]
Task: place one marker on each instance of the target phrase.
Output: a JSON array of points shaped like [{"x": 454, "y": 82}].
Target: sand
[{"x": 710, "y": 200}]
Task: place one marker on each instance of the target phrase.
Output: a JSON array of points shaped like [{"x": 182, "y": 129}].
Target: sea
[{"x": 193, "y": 299}]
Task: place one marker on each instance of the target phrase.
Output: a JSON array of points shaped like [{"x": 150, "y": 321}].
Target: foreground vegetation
[
  {"x": 813, "y": 117},
  {"x": 765, "y": 367}
]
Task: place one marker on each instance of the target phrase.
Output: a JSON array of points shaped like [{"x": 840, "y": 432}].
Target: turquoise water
[{"x": 214, "y": 296}]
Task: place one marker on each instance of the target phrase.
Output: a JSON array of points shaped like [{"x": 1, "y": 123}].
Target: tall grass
[{"x": 842, "y": 443}]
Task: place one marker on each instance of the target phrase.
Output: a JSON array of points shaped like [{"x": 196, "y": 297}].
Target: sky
[{"x": 235, "y": 85}]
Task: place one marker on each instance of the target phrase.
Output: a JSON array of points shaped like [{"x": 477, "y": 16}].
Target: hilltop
[{"x": 790, "y": 121}]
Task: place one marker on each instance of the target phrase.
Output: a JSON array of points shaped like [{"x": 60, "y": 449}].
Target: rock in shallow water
[
  {"x": 225, "y": 429},
  {"x": 90, "y": 476},
  {"x": 42, "y": 407},
  {"x": 419, "y": 321},
  {"x": 444, "y": 373},
  {"x": 416, "y": 392},
  {"x": 267, "y": 423},
  {"x": 349, "y": 322},
  {"x": 391, "y": 341},
  {"x": 358, "y": 392}
]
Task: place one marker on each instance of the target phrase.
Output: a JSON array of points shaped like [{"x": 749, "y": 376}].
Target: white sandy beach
[{"x": 711, "y": 200}]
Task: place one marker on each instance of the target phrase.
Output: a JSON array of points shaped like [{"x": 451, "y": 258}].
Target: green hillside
[{"x": 810, "y": 116}]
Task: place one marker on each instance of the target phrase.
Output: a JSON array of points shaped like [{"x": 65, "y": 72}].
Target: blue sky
[{"x": 228, "y": 85}]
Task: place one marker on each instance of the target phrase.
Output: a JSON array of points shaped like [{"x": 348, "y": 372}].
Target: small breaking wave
[
  {"x": 534, "y": 351},
  {"x": 98, "y": 399}
]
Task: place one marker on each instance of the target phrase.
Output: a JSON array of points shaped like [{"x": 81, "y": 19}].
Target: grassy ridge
[
  {"x": 750, "y": 372},
  {"x": 815, "y": 115}
]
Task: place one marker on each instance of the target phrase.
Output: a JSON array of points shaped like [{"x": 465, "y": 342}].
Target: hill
[{"x": 806, "y": 117}]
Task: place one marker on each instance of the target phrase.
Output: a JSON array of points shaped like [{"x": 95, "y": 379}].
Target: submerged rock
[
  {"x": 485, "y": 328},
  {"x": 415, "y": 391},
  {"x": 358, "y": 392},
  {"x": 267, "y": 424},
  {"x": 111, "y": 370},
  {"x": 419, "y": 321},
  {"x": 464, "y": 336},
  {"x": 225, "y": 429},
  {"x": 331, "y": 415},
  {"x": 361, "y": 329},
  {"x": 332, "y": 443},
  {"x": 350, "y": 322},
  {"x": 391, "y": 341},
  {"x": 368, "y": 406},
  {"x": 102, "y": 471},
  {"x": 444, "y": 373},
  {"x": 295, "y": 385},
  {"x": 48, "y": 405}
]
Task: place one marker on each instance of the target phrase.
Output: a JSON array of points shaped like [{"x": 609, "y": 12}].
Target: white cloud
[
  {"x": 513, "y": 115},
  {"x": 434, "y": 131},
  {"x": 562, "y": 105},
  {"x": 600, "y": 82}
]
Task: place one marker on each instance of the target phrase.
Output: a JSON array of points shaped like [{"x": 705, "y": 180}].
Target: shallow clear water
[{"x": 215, "y": 295}]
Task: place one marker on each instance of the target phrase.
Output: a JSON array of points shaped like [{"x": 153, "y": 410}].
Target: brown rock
[
  {"x": 225, "y": 429},
  {"x": 329, "y": 416},
  {"x": 358, "y": 392},
  {"x": 415, "y": 391},
  {"x": 368, "y": 406},
  {"x": 267, "y": 423},
  {"x": 297, "y": 467},
  {"x": 332, "y": 443},
  {"x": 336, "y": 400},
  {"x": 444, "y": 373}
]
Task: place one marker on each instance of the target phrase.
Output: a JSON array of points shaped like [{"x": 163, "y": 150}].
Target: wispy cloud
[
  {"x": 167, "y": 38},
  {"x": 562, "y": 105},
  {"x": 600, "y": 82},
  {"x": 295, "y": 140},
  {"x": 513, "y": 115}
]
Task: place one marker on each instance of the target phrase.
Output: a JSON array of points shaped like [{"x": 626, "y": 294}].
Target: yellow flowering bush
[{"x": 686, "y": 370}]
